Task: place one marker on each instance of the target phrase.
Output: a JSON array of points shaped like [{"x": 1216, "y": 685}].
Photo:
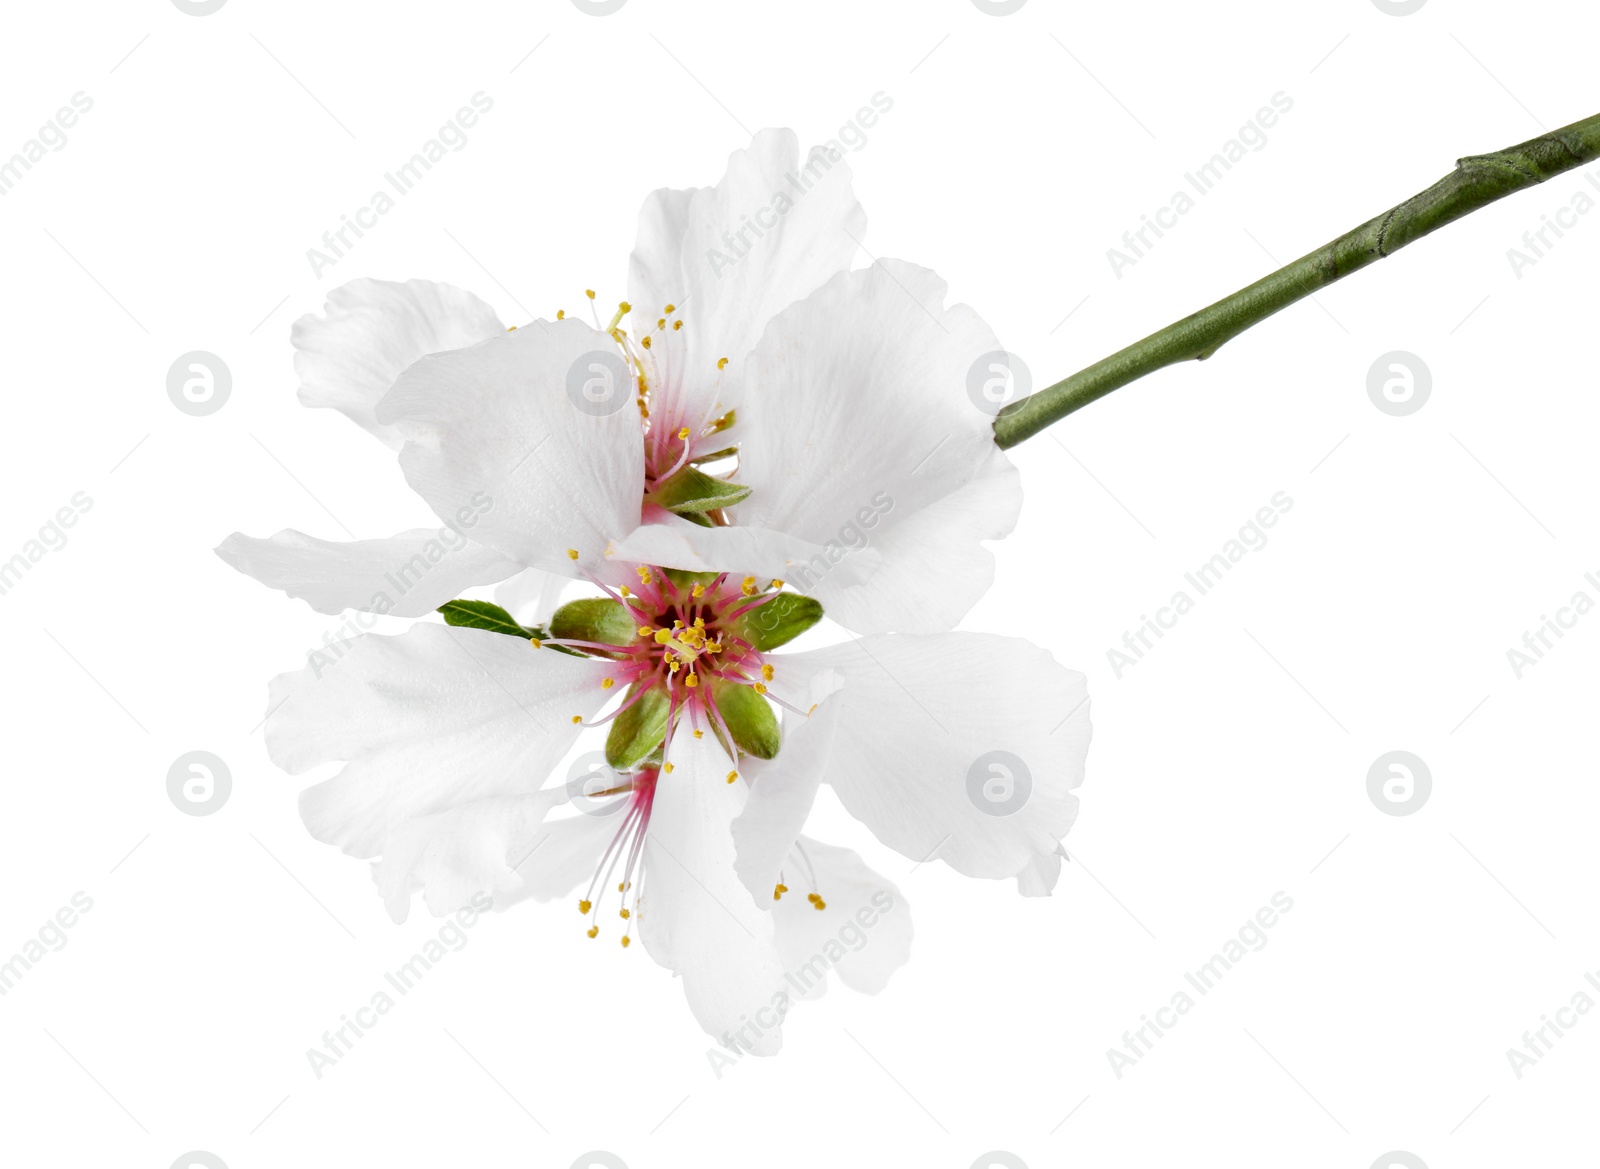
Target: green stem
[{"x": 1476, "y": 182}]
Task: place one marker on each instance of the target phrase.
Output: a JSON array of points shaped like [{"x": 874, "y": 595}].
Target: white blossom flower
[
  {"x": 865, "y": 472},
  {"x": 448, "y": 736}
]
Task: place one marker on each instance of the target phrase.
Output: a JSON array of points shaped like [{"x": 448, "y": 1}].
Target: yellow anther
[
  {"x": 645, "y": 341},
  {"x": 645, "y": 631},
  {"x": 698, "y": 591},
  {"x": 561, "y": 315},
  {"x": 699, "y": 734},
  {"x": 594, "y": 931},
  {"x": 667, "y": 767},
  {"x": 761, "y": 687},
  {"x": 624, "y": 307},
  {"x": 589, "y": 292},
  {"x": 692, "y": 680},
  {"x": 662, "y": 323},
  {"x": 572, "y": 553},
  {"x": 511, "y": 328},
  {"x": 732, "y": 775},
  {"x": 673, "y": 665},
  {"x": 536, "y": 643},
  {"x": 677, "y": 324},
  {"x": 819, "y": 903},
  {"x": 669, "y": 308},
  {"x": 624, "y": 914},
  {"x": 642, "y": 572},
  {"x": 779, "y": 890},
  {"x": 607, "y": 683},
  {"x": 683, "y": 433},
  {"x": 663, "y": 636},
  {"x": 585, "y": 906},
  {"x": 776, "y": 583},
  {"x": 722, "y": 362},
  {"x": 812, "y": 711},
  {"x": 576, "y": 719},
  {"x": 748, "y": 588},
  {"x": 626, "y": 941},
  {"x": 766, "y": 672},
  {"x": 623, "y": 589}
]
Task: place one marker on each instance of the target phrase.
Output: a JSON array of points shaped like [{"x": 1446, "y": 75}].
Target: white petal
[
  {"x": 783, "y": 789},
  {"x": 531, "y": 596},
  {"x": 562, "y": 857},
  {"x": 370, "y": 330},
  {"x": 425, "y": 721},
  {"x": 739, "y": 550},
  {"x": 859, "y": 431},
  {"x": 694, "y": 913},
  {"x": 689, "y": 254},
  {"x": 863, "y": 934},
  {"x": 492, "y": 429},
  {"x": 409, "y": 575},
  {"x": 923, "y": 721},
  {"x": 1038, "y": 877},
  {"x": 460, "y": 853}
]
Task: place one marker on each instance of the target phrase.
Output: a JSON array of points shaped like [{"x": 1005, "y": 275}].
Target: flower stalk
[{"x": 1476, "y": 182}]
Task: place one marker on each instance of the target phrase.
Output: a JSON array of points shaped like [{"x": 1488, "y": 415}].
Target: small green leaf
[
  {"x": 485, "y": 615},
  {"x": 749, "y": 716},
  {"x": 595, "y": 619},
  {"x": 639, "y": 730},
  {"x": 778, "y": 621},
  {"x": 691, "y": 490}
]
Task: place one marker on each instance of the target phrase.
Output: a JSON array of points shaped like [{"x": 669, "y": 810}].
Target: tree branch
[{"x": 1476, "y": 182}]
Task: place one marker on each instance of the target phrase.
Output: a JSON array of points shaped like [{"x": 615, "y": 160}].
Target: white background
[{"x": 1228, "y": 765}]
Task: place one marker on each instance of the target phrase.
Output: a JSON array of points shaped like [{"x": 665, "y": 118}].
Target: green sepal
[
  {"x": 685, "y": 580},
  {"x": 485, "y": 615},
  {"x": 595, "y": 619},
  {"x": 689, "y": 489},
  {"x": 778, "y": 621},
  {"x": 749, "y": 717},
  {"x": 639, "y": 730}
]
